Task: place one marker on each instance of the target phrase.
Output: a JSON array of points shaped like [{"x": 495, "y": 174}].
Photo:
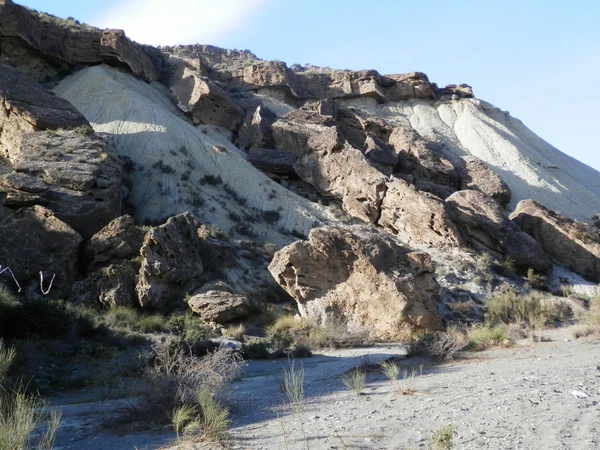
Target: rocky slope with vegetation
[{"x": 195, "y": 191}]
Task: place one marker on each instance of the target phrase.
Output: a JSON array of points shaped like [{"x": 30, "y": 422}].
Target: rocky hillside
[{"x": 140, "y": 176}]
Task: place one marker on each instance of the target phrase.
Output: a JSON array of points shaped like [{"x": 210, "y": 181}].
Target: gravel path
[{"x": 542, "y": 395}]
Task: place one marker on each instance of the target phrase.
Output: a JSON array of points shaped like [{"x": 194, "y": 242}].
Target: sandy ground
[{"x": 516, "y": 398}]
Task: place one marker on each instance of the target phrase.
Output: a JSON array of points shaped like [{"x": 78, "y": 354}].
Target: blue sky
[{"x": 538, "y": 59}]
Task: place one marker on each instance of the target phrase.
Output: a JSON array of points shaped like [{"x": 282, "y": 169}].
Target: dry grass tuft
[
  {"x": 508, "y": 307},
  {"x": 443, "y": 439},
  {"x": 355, "y": 380}
]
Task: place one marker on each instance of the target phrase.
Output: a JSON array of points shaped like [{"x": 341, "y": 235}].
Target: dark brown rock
[
  {"x": 34, "y": 240},
  {"x": 172, "y": 261},
  {"x": 273, "y": 161},
  {"x": 217, "y": 303},
  {"x": 475, "y": 175},
  {"x": 488, "y": 229},
  {"x": 571, "y": 244},
  {"x": 45, "y": 45}
]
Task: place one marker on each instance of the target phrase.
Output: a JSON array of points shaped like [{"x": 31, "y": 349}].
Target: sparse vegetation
[
  {"x": 443, "y": 439},
  {"x": 21, "y": 412},
  {"x": 508, "y": 307},
  {"x": 288, "y": 332},
  {"x": 590, "y": 323},
  {"x": 483, "y": 337},
  {"x": 181, "y": 389},
  {"x": 355, "y": 380},
  {"x": 391, "y": 370}
]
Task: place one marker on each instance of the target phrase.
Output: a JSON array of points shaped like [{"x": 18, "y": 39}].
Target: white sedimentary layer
[
  {"x": 529, "y": 165},
  {"x": 172, "y": 157}
]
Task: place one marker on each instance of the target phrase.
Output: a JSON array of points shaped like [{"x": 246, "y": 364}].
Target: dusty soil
[{"x": 516, "y": 398}]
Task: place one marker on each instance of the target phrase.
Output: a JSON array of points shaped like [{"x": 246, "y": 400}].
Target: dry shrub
[
  {"x": 175, "y": 377},
  {"x": 590, "y": 324},
  {"x": 443, "y": 345},
  {"x": 288, "y": 332},
  {"x": 508, "y": 307},
  {"x": 483, "y": 337}
]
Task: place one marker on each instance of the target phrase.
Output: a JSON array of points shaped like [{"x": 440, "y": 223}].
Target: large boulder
[
  {"x": 423, "y": 158},
  {"x": 35, "y": 241},
  {"x": 111, "y": 286},
  {"x": 401, "y": 87},
  {"x": 273, "y": 161},
  {"x": 75, "y": 175},
  {"x": 26, "y": 106},
  {"x": 475, "y": 175},
  {"x": 171, "y": 262},
  {"x": 419, "y": 216},
  {"x": 363, "y": 278},
  {"x": 120, "y": 240},
  {"x": 256, "y": 132},
  {"x": 203, "y": 100},
  {"x": 110, "y": 259},
  {"x": 572, "y": 244},
  {"x": 216, "y": 302},
  {"x": 43, "y": 45},
  {"x": 488, "y": 229}
]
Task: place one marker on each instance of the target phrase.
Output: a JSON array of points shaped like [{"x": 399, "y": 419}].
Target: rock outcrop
[
  {"x": 76, "y": 174},
  {"x": 365, "y": 279},
  {"x": 216, "y": 302},
  {"x": 26, "y": 106},
  {"x": 488, "y": 229},
  {"x": 35, "y": 241},
  {"x": 171, "y": 262},
  {"x": 111, "y": 266},
  {"x": 44, "y": 45},
  {"x": 475, "y": 175},
  {"x": 572, "y": 244},
  {"x": 205, "y": 102}
]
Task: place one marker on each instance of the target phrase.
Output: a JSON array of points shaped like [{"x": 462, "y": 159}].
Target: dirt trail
[{"x": 516, "y": 398}]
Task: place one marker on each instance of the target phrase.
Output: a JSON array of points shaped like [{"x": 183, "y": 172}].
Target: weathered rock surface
[
  {"x": 217, "y": 303},
  {"x": 203, "y": 100},
  {"x": 172, "y": 261},
  {"x": 109, "y": 261},
  {"x": 121, "y": 239},
  {"x": 572, "y": 244},
  {"x": 363, "y": 278},
  {"x": 488, "y": 229},
  {"x": 77, "y": 177},
  {"x": 26, "y": 106},
  {"x": 475, "y": 175},
  {"x": 420, "y": 216},
  {"x": 256, "y": 132},
  {"x": 273, "y": 161},
  {"x": 34, "y": 41},
  {"x": 422, "y": 158},
  {"x": 112, "y": 285},
  {"x": 406, "y": 86},
  {"x": 34, "y": 240}
]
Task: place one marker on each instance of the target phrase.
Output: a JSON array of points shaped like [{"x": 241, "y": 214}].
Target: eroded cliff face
[{"x": 230, "y": 159}]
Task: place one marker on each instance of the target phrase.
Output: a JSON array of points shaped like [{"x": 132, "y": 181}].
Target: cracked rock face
[
  {"x": 488, "y": 229},
  {"x": 42, "y": 45},
  {"x": 76, "y": 174},
  {"x": 362, "y": 278},
  {"x": 572, "y": 244}
]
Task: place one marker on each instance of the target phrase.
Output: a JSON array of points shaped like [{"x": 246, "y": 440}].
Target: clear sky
[{"x": 538, "y": 59}]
